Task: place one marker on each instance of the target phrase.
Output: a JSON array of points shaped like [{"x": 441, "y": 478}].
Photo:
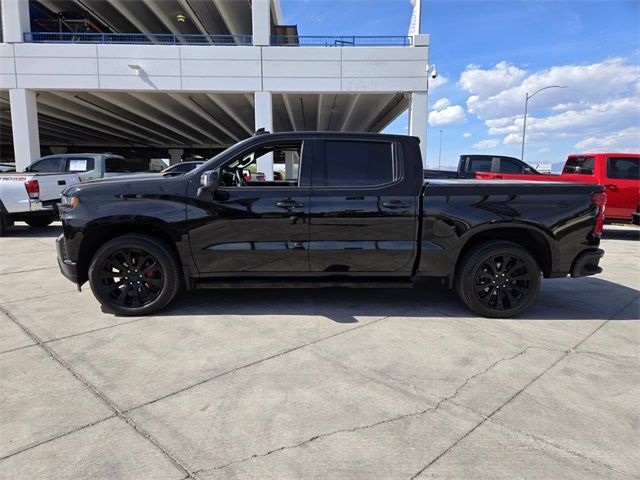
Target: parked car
[
  {"x": 31, "y": 198},
  {"x": 469, "y": 164},
  {"x": 618, "y": 172},
  {"x": 89, "y": 166},
  {"x": 181, "y": 168},
  {"x": 7, "y": 167},
  {"x": 359, "y": 214}
]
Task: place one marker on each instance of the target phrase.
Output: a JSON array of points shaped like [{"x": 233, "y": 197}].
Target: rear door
[
  {"x": 362, "y": 217},
  {"x": 623, "y": 186}
]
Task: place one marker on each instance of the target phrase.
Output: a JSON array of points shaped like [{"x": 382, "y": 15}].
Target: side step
[{"x": 213, "y": 283}]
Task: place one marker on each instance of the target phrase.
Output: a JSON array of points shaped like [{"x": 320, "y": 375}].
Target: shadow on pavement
[
  {"x": 630, "y": 233},
  {"x": 22, "y": 230},
  {"x": 560, "y": 299}
]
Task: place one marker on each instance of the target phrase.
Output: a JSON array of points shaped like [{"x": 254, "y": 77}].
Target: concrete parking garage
[{"x": 318, "y": 383}]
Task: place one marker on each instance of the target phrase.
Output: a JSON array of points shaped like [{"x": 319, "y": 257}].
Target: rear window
[
  {"x": 509, "y": 166},
  {"x": 625, "y": 168},
  {"x": 358, "y": 163},
  {"x": 580, "y": 165},
  {"x": 80, "y": 164}
]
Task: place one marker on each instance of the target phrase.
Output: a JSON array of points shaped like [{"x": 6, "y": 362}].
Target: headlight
[{"x": 70, "y": 202}]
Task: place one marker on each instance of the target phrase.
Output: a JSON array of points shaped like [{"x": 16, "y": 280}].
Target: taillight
[
  {"x": 599, "y": 200},
  {"x": 33, "y": 188}
]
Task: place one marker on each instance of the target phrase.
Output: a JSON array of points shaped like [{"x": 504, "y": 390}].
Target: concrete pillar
[
  {"x": 24, "y": 120},
  {"x": 176, "y": 155},
  {"x": 264, "y": 119},
  {"x": 15, "y": 20},
  {"x": 261, "y": 22},
  {"x": 418, "y": 121}
]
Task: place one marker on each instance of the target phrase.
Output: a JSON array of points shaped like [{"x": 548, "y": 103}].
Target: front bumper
[
  {"x": 68, "y": 268},
  {"x": 586, "y": 263}
]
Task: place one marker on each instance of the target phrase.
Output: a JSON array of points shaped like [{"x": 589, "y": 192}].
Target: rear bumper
[
  {"x": 67, "y": 267},
  {"x": 586, "y": 263}
]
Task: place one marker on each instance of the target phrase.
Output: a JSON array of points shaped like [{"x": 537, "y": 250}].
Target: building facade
[{"x": 179, "y": 76}]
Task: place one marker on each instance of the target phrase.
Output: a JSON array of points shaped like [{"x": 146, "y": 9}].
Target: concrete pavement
[{"x": 318, "y": 383}]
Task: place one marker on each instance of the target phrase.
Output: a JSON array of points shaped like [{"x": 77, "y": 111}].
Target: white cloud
[
  {"x": 601, "y": 101},
  {"x": 437, "y": 82},
  {"x": 442, "y": 103},
  {"x": 467, "y": 134},
  {"x": 485, "y": 144},
  {"x": 544, "y": 150},
  {"x": 443, "y": 113},
  {"x": 625, "y": 141}
]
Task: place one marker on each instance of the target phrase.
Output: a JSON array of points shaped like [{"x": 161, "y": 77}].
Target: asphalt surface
[{"x": 332, "y": 383}]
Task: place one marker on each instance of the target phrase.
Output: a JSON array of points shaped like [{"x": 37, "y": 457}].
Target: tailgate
[{"x": 52, "y": 185}]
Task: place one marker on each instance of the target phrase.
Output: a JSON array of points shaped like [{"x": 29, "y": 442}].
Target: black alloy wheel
[
  {"x": 499, "y": 279},
  {"x": 134, "y": 275}
]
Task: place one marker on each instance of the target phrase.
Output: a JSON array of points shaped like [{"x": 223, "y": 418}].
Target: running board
[{"x": 202, "y": 284}]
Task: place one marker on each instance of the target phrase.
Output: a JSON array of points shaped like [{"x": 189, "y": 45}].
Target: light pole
[
  {"x": 440, "y": 150},
  {"x": 526, "y": 102}
]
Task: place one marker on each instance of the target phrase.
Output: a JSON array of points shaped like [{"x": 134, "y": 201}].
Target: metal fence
[
  {"x": 340, "y": 41},
  {"x": 137, "y": 38}
]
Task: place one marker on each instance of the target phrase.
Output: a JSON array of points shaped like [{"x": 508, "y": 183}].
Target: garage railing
[
  {"x": 340, "y": 41},
  {"x": 137, "y": 38}
]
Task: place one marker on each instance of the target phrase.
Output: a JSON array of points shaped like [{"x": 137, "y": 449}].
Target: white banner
[{"x": 414, "y": 26}]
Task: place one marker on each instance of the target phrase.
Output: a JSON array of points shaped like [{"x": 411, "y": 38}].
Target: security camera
[{"x": 434, "y": 73}]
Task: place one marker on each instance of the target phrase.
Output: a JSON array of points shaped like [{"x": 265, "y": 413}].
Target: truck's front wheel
[
  {"x": 134, "y": 275},
  {"x": 498, "y": 279}
]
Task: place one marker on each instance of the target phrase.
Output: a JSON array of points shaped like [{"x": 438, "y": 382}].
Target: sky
[{"x": 489, "y": 54}]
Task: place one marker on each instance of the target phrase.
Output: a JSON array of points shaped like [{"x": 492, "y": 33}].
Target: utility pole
[
  {"x": 526, "y": 103},
  {"x": 440, "y": 151}
]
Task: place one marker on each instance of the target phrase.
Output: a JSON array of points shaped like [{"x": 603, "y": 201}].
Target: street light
[
  {"x": 526, "y": 102},
  {"x": 440, "y": 150}
]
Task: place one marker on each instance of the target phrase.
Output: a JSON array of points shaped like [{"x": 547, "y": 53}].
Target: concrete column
[
  {"x": 24, "y": 120},
  {"x": 176, "y": 155},
  {"x": 15, "y": 20},
  {"x": 418, "y": 121},
  {"x": 261, "y": 22},
  {"x": 264, "y": 119}
]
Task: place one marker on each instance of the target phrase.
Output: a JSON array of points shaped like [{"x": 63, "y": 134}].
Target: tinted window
[
  {"x": 83, "y": 164},
  {"x": 480, "y": 165},
  {"x": 358, "y": 163},
  {"x": 626, "y": 168},
  {"x": 509, "y": 166},
  {"x": 583, "y": 165},
  {"x": 48, "y": 165}
]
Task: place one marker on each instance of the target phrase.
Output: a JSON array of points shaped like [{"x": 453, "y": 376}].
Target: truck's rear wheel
[
  {"x": 134, "y": 275},
  {"x": 39, "y": 221},
  {"x": 498, "y": 279}
]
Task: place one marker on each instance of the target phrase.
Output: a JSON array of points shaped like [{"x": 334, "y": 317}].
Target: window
[
  {"x": 249, "y": 170},
  {"x": 48, "y": 165},
  {"x": 83, "y": 164},
  {"x": 480, "y": 165},
  {"x": 583, "y": 165},
  {"x": 509, "y": 166},
  {"x": 625, "y": 168},
  {"x": 352, "y": 163}
]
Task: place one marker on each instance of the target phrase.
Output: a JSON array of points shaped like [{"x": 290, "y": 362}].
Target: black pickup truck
[
  {"x": 348, "y": 209},
  {"x": 468, "y": 165}
]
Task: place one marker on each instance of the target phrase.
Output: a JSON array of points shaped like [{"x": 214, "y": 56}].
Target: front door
[
  {"x": 363, "y": 208},
  {"x": 251, "y": 225}
]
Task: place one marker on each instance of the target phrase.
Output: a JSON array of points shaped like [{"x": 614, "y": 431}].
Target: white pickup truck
[{"x": 31, "y": 197}]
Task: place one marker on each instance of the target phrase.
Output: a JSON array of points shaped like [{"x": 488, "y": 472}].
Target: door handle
[
  {"x": 394, "y": 204},
  {"x": 611, "y": 186},
  {"x": 62, "y": 182},
  {"x": 289, "y": 204}
]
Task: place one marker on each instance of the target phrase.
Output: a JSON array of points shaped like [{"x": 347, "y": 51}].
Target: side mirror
[{"x": 209, "y": 182}]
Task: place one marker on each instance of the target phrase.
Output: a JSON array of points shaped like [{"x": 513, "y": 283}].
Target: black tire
[
  {"x": 498, "y": 279},
  {"x": 134, "y": 275},
  {"x": 39, "y": 221}
]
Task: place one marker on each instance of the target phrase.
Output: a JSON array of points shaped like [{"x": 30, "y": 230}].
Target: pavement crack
[
  {"x": 29, "y": 270},
  {"x": 515, "y": 395},
  {"x": 110, "y": 404},
  {"x": 380, "y": 422}
]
